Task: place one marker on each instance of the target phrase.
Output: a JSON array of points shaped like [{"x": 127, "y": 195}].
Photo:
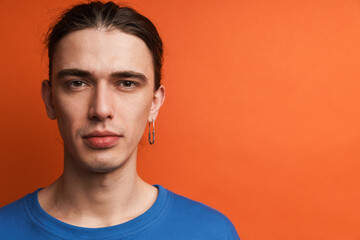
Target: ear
[
  {"x": 46, "y": 94},
  {"x": 158, "y": 100}
]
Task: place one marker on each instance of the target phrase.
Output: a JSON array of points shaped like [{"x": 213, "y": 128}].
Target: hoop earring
[{"x": 153, "y": 132}]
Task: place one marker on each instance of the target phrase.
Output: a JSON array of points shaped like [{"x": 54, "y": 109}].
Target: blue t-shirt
[{"x": 171, "y": 217}]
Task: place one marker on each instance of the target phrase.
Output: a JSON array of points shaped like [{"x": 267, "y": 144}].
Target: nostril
[
  {"x": 101, "y": 115},
  {"x": 100, "y": 106}
]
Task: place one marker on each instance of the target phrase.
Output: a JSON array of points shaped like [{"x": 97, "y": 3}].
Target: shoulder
[
  {"x": 188, "y": 207},
  {"x": 13, "y": 215},
  {"x": 12, "y": 209},
  {"x": 197, "y": 215}
]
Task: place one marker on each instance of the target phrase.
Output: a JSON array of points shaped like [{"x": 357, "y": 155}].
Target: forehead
[{"x": 102, "y": 51}]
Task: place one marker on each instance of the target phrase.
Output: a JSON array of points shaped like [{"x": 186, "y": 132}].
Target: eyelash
[
  {"x": 120, "y": 83},
  {"x": 70, "y": 83},
  {"x": 133, "y": 84}
]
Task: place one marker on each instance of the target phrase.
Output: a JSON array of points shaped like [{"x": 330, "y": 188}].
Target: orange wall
[{"x": 261, "y": 120}]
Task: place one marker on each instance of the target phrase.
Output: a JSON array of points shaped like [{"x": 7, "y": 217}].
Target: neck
[{"x": 89, "y": 199}]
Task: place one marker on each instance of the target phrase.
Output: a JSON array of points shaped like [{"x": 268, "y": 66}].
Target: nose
[{"x": 101, "y": 107}]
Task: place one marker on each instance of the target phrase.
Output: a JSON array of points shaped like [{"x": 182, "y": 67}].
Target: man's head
[{"x": 104, "y": 83}]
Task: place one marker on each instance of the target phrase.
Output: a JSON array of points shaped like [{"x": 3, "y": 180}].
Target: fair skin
[{"x": 103, "y": 81}]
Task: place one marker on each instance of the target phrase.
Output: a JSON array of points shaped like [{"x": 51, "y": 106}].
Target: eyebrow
[
  {"x": 129, "y": 74},
  {"x": 73, "y": 72},
  {"x": 83, "y": 73}
]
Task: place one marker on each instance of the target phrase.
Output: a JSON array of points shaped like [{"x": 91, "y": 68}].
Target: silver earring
[{"x": 153, "y": 132}]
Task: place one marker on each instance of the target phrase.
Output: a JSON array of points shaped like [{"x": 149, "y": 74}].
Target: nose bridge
[{"x": 101, "y": 104}]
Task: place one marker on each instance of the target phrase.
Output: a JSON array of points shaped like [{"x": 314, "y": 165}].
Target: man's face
[{"x": 102, "y": 96}]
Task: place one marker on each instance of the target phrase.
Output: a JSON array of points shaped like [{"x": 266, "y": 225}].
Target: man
[{"x": 103, "y": 88}]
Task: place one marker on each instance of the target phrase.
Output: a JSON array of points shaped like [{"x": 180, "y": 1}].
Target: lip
[{"x": 101, "y": 139}]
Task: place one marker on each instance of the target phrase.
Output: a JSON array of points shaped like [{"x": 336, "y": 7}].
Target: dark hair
[{"x": 107, "y": 15}]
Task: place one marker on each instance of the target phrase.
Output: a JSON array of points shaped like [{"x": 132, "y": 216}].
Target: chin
[
  {"x": 102, "y": 169},
  {"x": 102, "y": 165}
]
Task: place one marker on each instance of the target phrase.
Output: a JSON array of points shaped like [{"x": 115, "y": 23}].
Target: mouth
[{"x": 99, "y": 140}]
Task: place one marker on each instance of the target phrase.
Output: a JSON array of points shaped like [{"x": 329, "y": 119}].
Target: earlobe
[
  {"x": 158, "y": 100},
  {"x": 46, "y": 94}
]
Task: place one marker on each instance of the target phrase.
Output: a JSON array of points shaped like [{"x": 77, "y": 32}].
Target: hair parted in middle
[{"x": 110, "y": 16}]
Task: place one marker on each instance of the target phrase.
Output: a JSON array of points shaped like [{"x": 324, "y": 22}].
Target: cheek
[
  {"x": 68, "y": 112},
  {"x": 137, "y": 114}
]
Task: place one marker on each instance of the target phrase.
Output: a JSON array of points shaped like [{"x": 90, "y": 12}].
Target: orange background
[{"x": 261, "y": 118}]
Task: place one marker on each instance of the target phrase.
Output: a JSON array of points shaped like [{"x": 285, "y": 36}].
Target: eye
[
  {"x": 127, "y": 84},
  {"x": 76, "y": 84}
]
